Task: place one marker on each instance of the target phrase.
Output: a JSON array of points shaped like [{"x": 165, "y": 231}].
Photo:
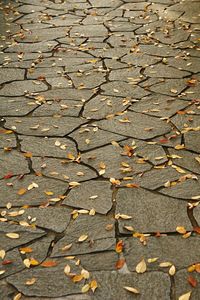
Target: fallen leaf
[
  {"x": 21, "y": 191},
  {"x": 152, "y": 260},
  {"x": 2, "y": 254},
  {"x": 83, "y": 238},
  {"x": 131, "y": 289},
  {"x": 165, "y": 264},
  {"x": 77, "y": 278},
  {"x": 119, "y": 246},
  {"x": 85, "y": 288},
  {"x": 49, "y": 263},
  {"x": 185, "y": 296},
  {"x": 141, "y": 267},
  {"x": 12, "y": 235},
  {"x": 67, "y": 269},
  {"x": 192, "y": 281},
  {"x": 93, "y": 285},
  {"x": 172, "y": 270},
  {"x": 26, "y": 250},
  {"x": 181, "y": 229},
  {"x": 119, "y": 264},
  {"x": 17, "y": 297},
  {"x": 31, "y": 281}
]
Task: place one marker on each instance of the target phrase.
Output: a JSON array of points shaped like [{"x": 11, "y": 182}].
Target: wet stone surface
[{"x": 99, "y": 150}]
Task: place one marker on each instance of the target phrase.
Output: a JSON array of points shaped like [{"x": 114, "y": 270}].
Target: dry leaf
[
  {"x": 31, "y": 281},
  {"x": 141, "y": 267},
  {"x": 77, "y": 278},
  {"x": 83, "y": 238},
  {"x": 67, "y": 269},
  {"x": 2, "y": 254},
  {"x": 17, "y": 297},
  {"x": 49, "y": 263},
  {"x": 172, "y": 270},
  {"x": 120, "y": 263},
  {"x": 131, "y": 289},
  {"x": 192, "y": 281},
  {"x": 152, "y": 260},
  {"x": 22, "y": 191},
  {"x": 93, "y": 285},
  {"x": 2, "y": 272},
  {"x": 26, "y": 250},
  {"x": 12, "y": 235},
  {"x": 85, "y": 288},
  {"x": 181, "y": 229},
  {"x": 27, "y": 262},
  {"x": 85, "y": 273},
  {"x": 119, "y": 246},
  {"x": 165, "y": 264},
  {"x": 185, "y": 296}
]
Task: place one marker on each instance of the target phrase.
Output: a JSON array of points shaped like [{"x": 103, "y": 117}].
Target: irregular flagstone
[
  {"x": 182, "y": 286},
  {"x": 44, "y": 72},
  {"x": 13, "y": 162},
  {"x": 64, "y": 21},
  {"x": 43, "y": 126},
  {"x": 102, "y": 106},
  {"x": 20, "y": 88},
  {"x": 88, "y": 137},
  {"x": 105, "y": 3},
  {"x": 101, "y": 261},
  {"x": 187, "y": 160},
  {"x": 67, "y": 94},
  {"x": 6, "y": 291},
  {"x": 156, "y": 178},
  {"x": 127, "y": 74},
  {"x": 169, "y": 140},
  {"x": 36, "y": 196},
  {"x": 51, "y": 218},
  {"x": 186, "y": 122},
  {"x": 7, "y": 139},
  {"x": 43, "y": 146},
  {"x": 16, "y": 106},
  {"x": 32, "y": 47},
  {"x": 174, "y": 36},
  {"x": 15, "y": 265},
  {"x": 87, "y": 79},
  {"x": 26, "y": 234},
  {"x": 185, "y": 190},
  {"x": 89, "y": 195},
  {"x": 192, "y": 140},
  {"x": 99, "y": 238},
  {"x": 140, "y": 59},
  {"x": 165, "y": 71},
  {"x": 88, "y": 31},
  {"x": 46, "y": 285},
  {"x": 190, "y": 65},
  {"x": 169, "y": 87},
  {"x": 160, "y": 106},
  {"x": 114, "y": 161},
  {"x": 173, "y": 249},
  {"x": 115, "y": 26},
  {"x": 63, "y": 169},
  {"x": 113, "y": 283},
  {"x": 11, "y": 74},
  {"x": 142, "y": 205},
  {"x": 159, "y": 50},
  {"x": 136, "y": 125}
]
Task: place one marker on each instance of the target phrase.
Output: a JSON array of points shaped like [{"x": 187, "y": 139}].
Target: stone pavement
[{"x": 100, "y": 150}]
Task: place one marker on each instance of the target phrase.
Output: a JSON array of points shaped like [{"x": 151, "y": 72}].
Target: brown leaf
[
  {"x": 26, "y": 250},
  {"x": 192, "y": 281},
  {"x": 119, "y": 264},
  {"x": 49, "y": 263},
  {"x": 196, "y": 229},
  {"x": 21, "y": 191},
  {"x": 119, "y": 246},
  {"x": 77, "y": 278}
]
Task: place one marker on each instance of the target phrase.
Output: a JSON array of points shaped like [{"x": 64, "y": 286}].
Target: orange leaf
[
  {"x": 28, "y": 154},
  {"x": 22, "y": 191},
  {"x": 196, "y": 229},
  {"x": 119, "y": 246},
  {"x": 26, "y": 250},
  {"x": 119, "y": 264},
  {"x": 197, "y": 268},
  {"x": 132, "y": 185},
  {"x": 192, "y": 281},
  {"x": 180, "y": 112},
  {"x": 34, "y": 262},
  {"x": 77, "y": 278},
  {"x": 49, "y": 263}
]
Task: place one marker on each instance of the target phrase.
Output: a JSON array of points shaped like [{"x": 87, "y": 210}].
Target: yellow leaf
[
  {"x": 26, "y": 250},
  {"x": 67, "y": 247},
  {"x": 131, "y": 289},
  {"x": 12, "y": 235},
  {"x": 77, "y": 278},
  {"x": 83, "y": 238},
  {"x": 17, "y": 297},
  {"x": 85, "y": 288},
  {"x": 2, "y": 254},
  {"x": 172, "y": 270},
  {"x": 185, "y": 296},
  {"x": 165, "y": 264},
  {"x": 141, "y": 267},
  {"x": 26, "y": 262},
  {"x": 85, "y": 273},
  {"x": 67, "y": 269},
  {"x": 48, "y": 193},
  {"x": 93, "y": 285},
  {"x": 34, "y": 262},
  {"x": 152, "y": 260},
  {"x": 22, "y": 191},
  {"x": 181, "y": 229},
  {"x": 31, "y": 281}
]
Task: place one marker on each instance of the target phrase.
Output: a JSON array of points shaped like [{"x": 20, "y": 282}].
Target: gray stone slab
[
  {"x": 140, "y": 59},
  {"x": 7, "y": 139},
  {"x": 187, "y": 160},
  {"x": 88, "y": 79},
  {"x": 44, "y": 126},
  {"x": 111, "y": 285},
  {"x": 174, "y": 36},
  {"x": 159, "y": 50},
  {"x": 67, "y": 94},
  {"x": 32, "y": 47},
  {"x": 20, "y": 88},
  {"x": 169, "y": 87},
  {"x": 44, "y": 72},
  {"x": 192, "y": 141},
  {"x": 6, "y": 290},
  {"x": 26, "y": 234},
  {"x": 11, "y": 74},
  {"x": 90, "y": 137},
  {"x": 102, "y": 261},
  {"x": 105, "y": 3},
  {"x": 165, "y": 71},
  {"x": 63, "y": 169},
  {"x": 15, "y": 265},
  {"x": 173, "y": 249},
  {"x": 182, "y": 285},
  {"x": 35, "y": 196},
  {"x": 16, "y": 106},
  {"x": 52, "y": 147},
  {"x": 115, "y": 26},
  {"x": 184, "y": 190},
  {"x": 127, "y": 74},
  {"x": 99, "y": 239},
  {"x": 185, "y": 121},
  {"x": 46, "y": 285},
  {"x": 140, "y": 126},
  {"x": 102, "y": 106},
  {"x": 156, "y": 178},
  {"x": 190, "y": 64},
  {"x": 26, "y": 9},
  {"x": 82, "y": 196},
  {"x": 160, "y": 106},
  {"x": 67, "y": 20},
  {"x": 51, "y": 218},
  {"x": 113, "y": 159},
  {"x": 13, "y": 162},
  {"x": 142, "y": 206},
  {"x": 88, "y": 31}
]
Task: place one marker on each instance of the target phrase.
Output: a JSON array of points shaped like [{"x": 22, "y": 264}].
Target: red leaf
[
  {"x": 7, "y": 176},
  {"x": 192, "y": 281},
  {"x": 119, "y": 264},
  {"x": 196, "y": 229},
  {"x": 7, "y": 262},
  {"x": 163, "y": 141}
]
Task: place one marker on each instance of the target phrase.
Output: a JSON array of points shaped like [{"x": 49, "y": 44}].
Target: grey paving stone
[
  {"x": 182, "y": 285},
  {"x": 127, "y": 74},
  {"x": 35, "y": 196},
  {"x": 90, "y": 137},
  {"x": 32, "y": 47},
  {"x": 113, "y": 159},
  {"x": 63, "y": 169},
  {"x": 111, "y": 285},
  {"x": 6, "y": 290},
  {"x": 82, "y": 196},
  {"x": 15, "y": 265},
  {"x": 26, "y": 234},
  {"x": 142, "y": 206},
  {"x": 172, "y": 249},
  {"x": 160, "y": 106},
  {"x": 102, "y": 261},
  {"x": 159, "y": 50},
  {"x": 105, "y": 3},
  {"x": 26, "y": 9},
  {"x": 88, "y": 31},
  {"x": 13, "y": 162},
  {"x": 99, "y": 239},
  {"x": 7, "y": 139},
  {"x": 11, "y": 74},
  {"x": 88, "y": 79},
  {"x": 140, "y": 126},
  {"x": 192, "y": 140},
  {"x": 140, "y": 59},
  {"x": 44, "y": 126},
  {"x": 44, "y": 72},
  {"x": 64, "y": 20},
  {"x": 165, "y": 71},
  {"x": 52, "y": 147},
  {"x": 16, "y": 106},
  {"x": 115, "y": 26},
  {"x": 190, "y": 65},
  {"x": 169, "y": 87},
  {"x": 185, "y": 121},
  {"x": 51, "y": 218},
  {"x": 46, "y": 285},
  {"x": 20, "y": 88}
]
